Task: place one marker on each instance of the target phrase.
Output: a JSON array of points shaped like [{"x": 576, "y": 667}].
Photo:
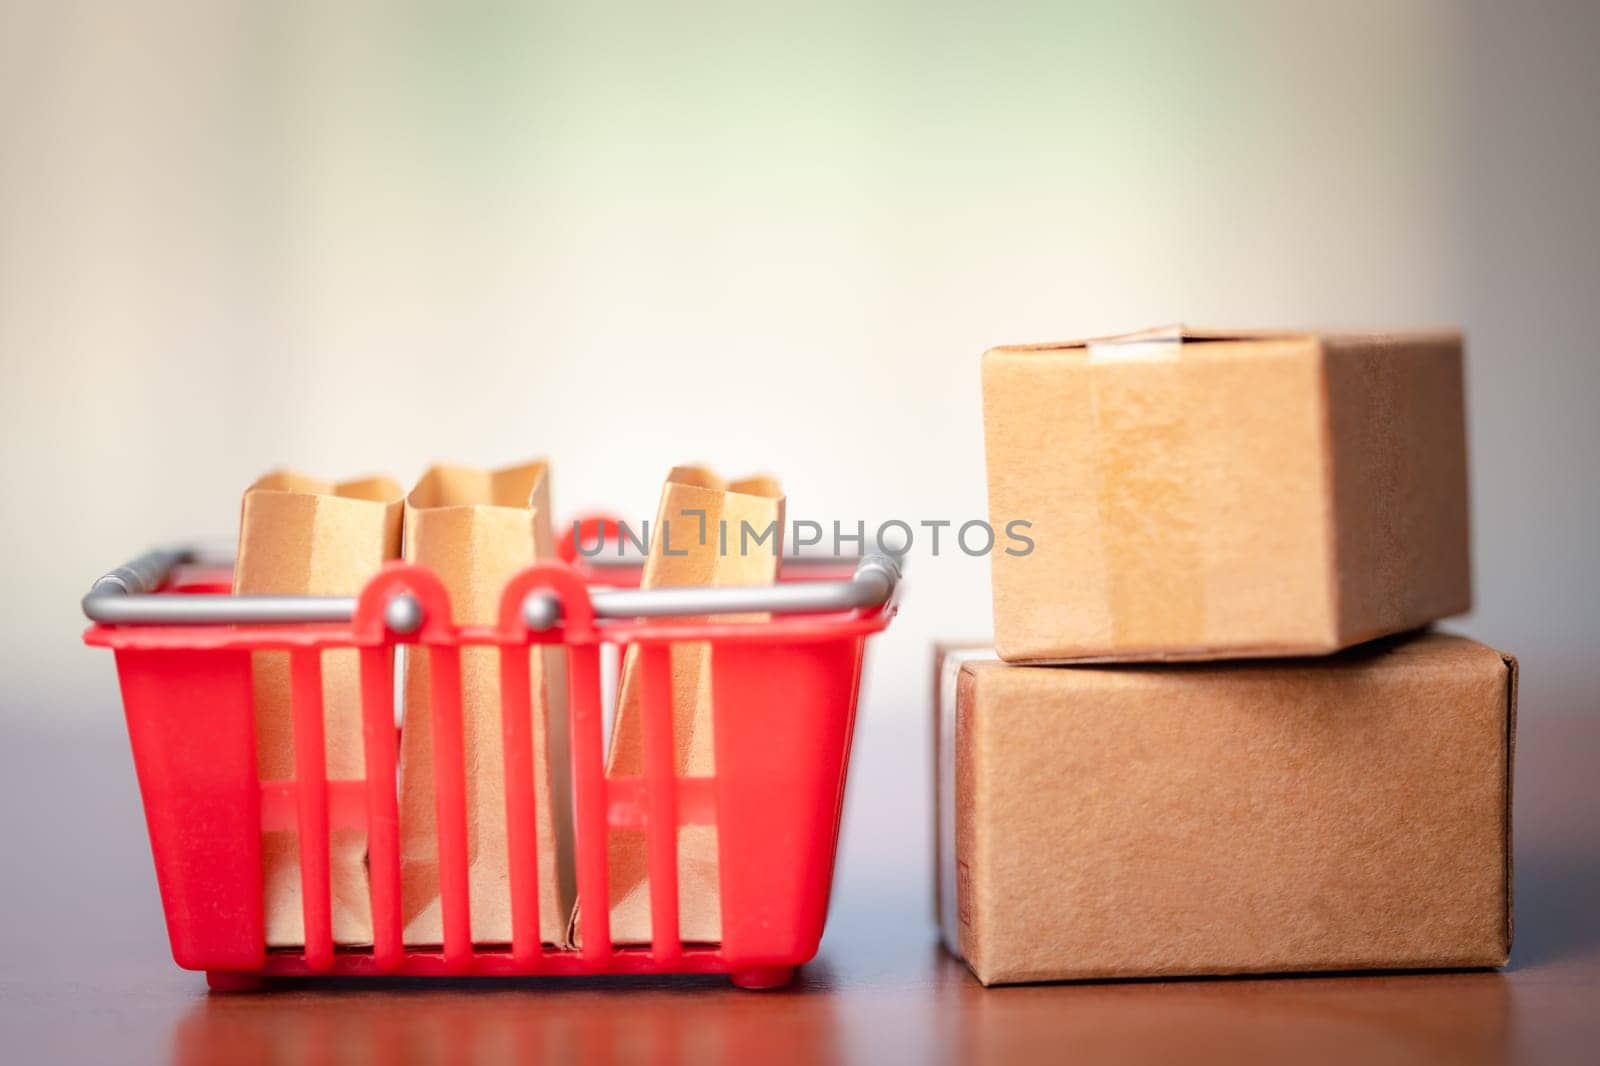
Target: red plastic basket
[{"x": 784, "y": 699}]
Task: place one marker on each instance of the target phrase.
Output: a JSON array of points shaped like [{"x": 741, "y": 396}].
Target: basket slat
[
  {"x": 311, "y": 806},
  {"x": 450, "y": 805},
  {"x": 588, "y": 778},
  {"x": 661, "y": 824},
  {"x": 383, "y": 810},
  {"x": 516, "y": 712}
]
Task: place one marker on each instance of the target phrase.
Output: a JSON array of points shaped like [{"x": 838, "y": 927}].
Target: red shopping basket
[{"x": 783, "y": 704}]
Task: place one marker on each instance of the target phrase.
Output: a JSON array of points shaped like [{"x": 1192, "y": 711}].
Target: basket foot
[
  {"x": 757, "y": 978},
  {"x": 233, "y": 981}
]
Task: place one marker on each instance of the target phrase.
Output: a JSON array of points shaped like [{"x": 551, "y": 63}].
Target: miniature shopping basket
[{"x": 783, "y": 703}]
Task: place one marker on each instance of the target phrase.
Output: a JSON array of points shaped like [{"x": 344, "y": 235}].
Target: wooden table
[{"x": 88, "y": 977}]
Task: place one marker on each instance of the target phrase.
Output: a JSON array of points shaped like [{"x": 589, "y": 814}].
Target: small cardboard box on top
[
  {"x": 1207, "y": 495},
  {"x": 1349, "y": 812}
]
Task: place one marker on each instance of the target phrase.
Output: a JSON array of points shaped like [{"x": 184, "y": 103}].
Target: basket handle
[
  {"x": 143, "y": 575},
  {"x": 126, "y": 596}
]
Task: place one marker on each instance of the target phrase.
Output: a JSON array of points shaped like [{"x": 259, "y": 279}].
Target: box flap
[
  {"x": 1173, "y": 334},
  {"x": 1177, "y": 333}
]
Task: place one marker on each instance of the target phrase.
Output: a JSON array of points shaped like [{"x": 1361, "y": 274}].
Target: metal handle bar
[
  {"x": 125, "y": 597},
  {"x": 144, "y": 574}
]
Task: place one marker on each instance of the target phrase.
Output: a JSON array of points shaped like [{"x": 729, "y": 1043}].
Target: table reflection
[
  {"x": 837, "y": 1015},
  {"x": 681, "y": 1021}
]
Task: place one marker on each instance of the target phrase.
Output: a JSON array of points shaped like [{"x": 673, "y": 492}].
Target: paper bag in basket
[
  {"x": 476, "y": 529},
  {"x": 698, "y": 539},
  {"x": 302, "y": 537}
]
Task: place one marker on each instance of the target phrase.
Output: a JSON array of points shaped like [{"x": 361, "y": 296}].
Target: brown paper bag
[
  {"x": 708, "y": 557},
  {"x": 476, "y": 529},
  {"x": 302, "y": 537}
]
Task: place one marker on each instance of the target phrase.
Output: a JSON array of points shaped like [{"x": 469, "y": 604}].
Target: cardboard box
[
  {"x": 476, "y": 529},
  {"x": 300, "y": 536},
  {"x": 1201, "y": 495},
  {"x": 1342, "y": 813},
  {"x": 705, "y": 517}
]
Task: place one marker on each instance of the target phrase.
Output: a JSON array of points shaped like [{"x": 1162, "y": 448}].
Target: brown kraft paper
[
  {"x": 475, "y": 529},
  {"x": 299, "y": 536},
  {"x": 683, "y": 551}
]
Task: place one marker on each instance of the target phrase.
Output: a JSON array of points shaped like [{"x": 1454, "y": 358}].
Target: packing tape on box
[{"x": 1150, "y": 532}]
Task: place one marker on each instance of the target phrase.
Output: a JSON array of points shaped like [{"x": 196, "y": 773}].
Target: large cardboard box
[
  {"x": 1197, "y": 495},
  {"x": 1340, "y": 813}
]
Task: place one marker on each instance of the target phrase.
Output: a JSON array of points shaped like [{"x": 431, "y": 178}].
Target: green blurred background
[{"x": 360, "y": 236}]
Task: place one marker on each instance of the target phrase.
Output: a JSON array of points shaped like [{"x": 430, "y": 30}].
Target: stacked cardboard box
[{"x": 1267, "y": 769}]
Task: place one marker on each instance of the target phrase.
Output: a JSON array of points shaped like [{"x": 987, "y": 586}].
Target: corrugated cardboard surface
[
  {"x": 694, "y": 501},
  {"x": 300, "y": 536},
  {"x": 476, "y": 529},
  {"x": 1216, "y": 495},
  {"x": 1349, "y": 812}
]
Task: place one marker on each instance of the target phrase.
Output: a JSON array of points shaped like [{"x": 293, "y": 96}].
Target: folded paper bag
[
  {"x": 476, "y": 529},
  {"x": 299, "y": 536},
  {"x": 700, "y": 538}
]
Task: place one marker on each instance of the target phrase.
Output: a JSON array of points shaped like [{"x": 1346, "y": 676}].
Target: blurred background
[{"x": 358, "y": 237}]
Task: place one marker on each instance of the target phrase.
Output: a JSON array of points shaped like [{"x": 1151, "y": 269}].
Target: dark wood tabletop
[{"x": 88, "y": 977}]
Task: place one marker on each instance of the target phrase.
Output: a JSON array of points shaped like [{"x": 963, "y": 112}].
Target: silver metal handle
[
  {"x": 124, "y": 597},
  {"x": 144, "y": 574},
  {"x": 870, "y": 586}
]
